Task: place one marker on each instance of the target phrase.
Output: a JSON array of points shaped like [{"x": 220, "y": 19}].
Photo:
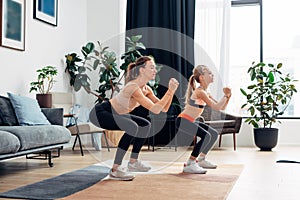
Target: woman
[
  {"x": 196, "y": 99},
  {"x": 115, "y": 114}
]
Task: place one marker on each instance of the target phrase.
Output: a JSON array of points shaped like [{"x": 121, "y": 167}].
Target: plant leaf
[{"x": 271, "y": 77}]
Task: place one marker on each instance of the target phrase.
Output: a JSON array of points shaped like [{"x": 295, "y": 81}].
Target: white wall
[
  {"x": 44, "y": 45},
  {"x": 79, "y": 21},
  {"x": 106, "y": 19},
  {"x": 106, "y": 24}
]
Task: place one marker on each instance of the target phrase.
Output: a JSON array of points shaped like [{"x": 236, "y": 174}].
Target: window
[
  {"x": 244, "y": 49},
  {"x": 280, "y": 43}
]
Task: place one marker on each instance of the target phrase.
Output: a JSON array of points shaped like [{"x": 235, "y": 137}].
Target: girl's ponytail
[
  {"x": 191, "y": 87},
  {"x": 197, "y": 71}
]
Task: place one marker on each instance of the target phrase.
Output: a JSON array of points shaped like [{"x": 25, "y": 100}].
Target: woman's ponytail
[
  {"x": 130, "y": 73},
  {"x": 133, "y": 69}
]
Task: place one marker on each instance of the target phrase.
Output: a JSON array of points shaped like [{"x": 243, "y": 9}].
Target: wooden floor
[{"x": 262, "y": 178}]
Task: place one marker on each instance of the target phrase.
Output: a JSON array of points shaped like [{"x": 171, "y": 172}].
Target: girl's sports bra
[{"x": 192, "y": 102}]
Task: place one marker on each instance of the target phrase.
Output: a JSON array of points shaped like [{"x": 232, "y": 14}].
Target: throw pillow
[
  {"x": 7, "y": 113},
  {"x": 27, "y": 110}
]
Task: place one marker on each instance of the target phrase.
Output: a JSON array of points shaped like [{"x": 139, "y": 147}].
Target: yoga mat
[{"x": 60, "y": 186}]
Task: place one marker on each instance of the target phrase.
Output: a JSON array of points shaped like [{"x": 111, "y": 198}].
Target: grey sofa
[{"x": 18, "y": 140}]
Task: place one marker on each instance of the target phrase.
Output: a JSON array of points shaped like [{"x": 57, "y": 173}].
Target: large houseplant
[
  {"x": 43, "y": 85},
  {"x": 267, "y": 97},
  {"x": 99, "y": 57}
]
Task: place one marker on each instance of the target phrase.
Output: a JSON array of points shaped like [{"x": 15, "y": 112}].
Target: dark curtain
[{"x": 167, "y": 27}]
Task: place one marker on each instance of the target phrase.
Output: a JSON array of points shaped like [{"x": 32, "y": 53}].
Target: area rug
[
  {"x": 214, "y": 185},
  {"x": 60, "y": 186}
]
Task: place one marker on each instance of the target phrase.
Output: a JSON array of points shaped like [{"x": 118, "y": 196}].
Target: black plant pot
[{"x": 265, "y": 138}]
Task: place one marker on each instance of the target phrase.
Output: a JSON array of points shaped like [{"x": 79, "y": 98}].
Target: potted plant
[
  {"x": 267, "y": 97},
  {"x": 76, "y": 68},
  {"x": 43, "y": 85},
  {"x": 99, "y": 57}
]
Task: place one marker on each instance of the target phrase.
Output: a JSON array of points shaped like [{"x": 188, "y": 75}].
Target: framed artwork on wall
[
  {"x": 12, "y": 24},
  {"x": 46, "y": 11}
]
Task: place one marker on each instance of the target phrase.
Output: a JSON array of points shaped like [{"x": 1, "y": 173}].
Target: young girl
[
  {"x": 115, "y": 114},
  {"x": 196, "y": 100}
]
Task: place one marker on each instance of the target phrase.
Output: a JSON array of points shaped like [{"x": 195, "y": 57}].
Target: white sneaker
[
  {"x": 193, "y": 168},
  {"x": 121, "y": 174},
  {"x": 138, "y": 166},
  {"x": 206, "y": 164}
]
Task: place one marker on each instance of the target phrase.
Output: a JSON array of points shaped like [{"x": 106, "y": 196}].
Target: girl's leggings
[{"x": 207, "y": 134}]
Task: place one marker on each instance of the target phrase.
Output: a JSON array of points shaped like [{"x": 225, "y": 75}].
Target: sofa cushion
[
  {"x": 54, "y": 115},
  {"x": 38, "y": 136},
  {"x": 9, "y": 143},
  {"x": 1, "y": 121},
  {"x": 7, "y": 113},
  {"x": 27, "y": 110}
]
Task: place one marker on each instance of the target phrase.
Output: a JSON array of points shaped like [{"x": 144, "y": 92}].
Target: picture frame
[
  {"x": 45, "y": 11},
  {"x": 12, "y": 24}
]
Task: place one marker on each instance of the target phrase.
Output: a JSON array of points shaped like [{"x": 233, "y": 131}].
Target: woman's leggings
[
  {"x": 136, "y": 129},
  {"x": 207, "y": 134}
]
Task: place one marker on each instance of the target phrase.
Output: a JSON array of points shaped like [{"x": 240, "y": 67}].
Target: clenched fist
[
  {"x": 227, "y": 91},
  {"x": 173, "y": 84}
]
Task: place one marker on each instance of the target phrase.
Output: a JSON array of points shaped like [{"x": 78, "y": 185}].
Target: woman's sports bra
[{"x": 123, "y": 99}]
